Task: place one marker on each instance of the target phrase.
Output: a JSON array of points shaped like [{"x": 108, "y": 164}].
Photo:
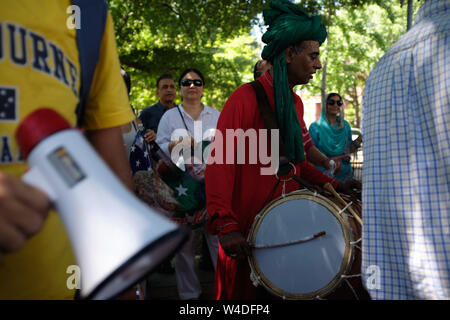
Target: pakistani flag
[{"x": 188, "y": 191}]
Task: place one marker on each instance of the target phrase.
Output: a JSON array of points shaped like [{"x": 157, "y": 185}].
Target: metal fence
[
  {"x": 356, "y": 161},
  {"x": 357, "y": 170}
]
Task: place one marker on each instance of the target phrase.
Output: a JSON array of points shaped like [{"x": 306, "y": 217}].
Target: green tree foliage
[
  {"x": 359, "y": 33},
  {"x": 157, "y": 36},
  {"x": 167, "y": 36}
]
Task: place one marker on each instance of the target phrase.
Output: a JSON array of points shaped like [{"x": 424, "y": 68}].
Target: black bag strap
[
  {"x": 89, "y": 38},
  {"x": 269, "y": 118},
  {"x": 182, "y": 118}
]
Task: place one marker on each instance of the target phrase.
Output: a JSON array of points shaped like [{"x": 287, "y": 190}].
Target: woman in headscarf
[{"x": 332, "y": 135}]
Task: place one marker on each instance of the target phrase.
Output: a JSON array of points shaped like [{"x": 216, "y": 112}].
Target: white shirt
[{"x": 171, "y": 126}]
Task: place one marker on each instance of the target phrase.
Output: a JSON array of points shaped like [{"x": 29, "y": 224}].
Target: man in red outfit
[{"x": 237, "y": 191}]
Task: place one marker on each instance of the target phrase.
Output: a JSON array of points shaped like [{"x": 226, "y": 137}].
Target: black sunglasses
[
  {"x": 339, "y": 103},
  {"x": 188, "y": 82}
]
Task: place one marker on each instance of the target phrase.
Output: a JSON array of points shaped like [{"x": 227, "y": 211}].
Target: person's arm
[
  {"x": 314, "y": 176},
  {"x": 164, "y": 133},
  {"x": 318, "y": 158},
  {"x": 108, "y": 108},
  {"x": 356, "y": 144},
  {"x": 23, "y": 210},
  {"x": 219, "y": 181},
  {"x": 109, "y": 144},
  {"x": 314, "y": 155},
  {"x": 307, "y": 171},
  {"x": 146, "y": 119}
]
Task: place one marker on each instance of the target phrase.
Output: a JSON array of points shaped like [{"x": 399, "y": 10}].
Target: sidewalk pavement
[{"x": 163, "y": 286}]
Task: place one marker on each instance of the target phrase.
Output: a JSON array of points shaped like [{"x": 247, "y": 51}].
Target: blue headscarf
[{"x": 333, "y": 138}]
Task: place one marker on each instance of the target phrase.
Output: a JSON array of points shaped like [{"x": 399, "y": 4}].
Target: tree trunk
[
  {"x": 410, "y": 14},
  {"x": 323, "y": 89},
  {"x": 357, "y": 107}
]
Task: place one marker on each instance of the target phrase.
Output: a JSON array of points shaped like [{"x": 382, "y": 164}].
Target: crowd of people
[{"x": 405, "y": 198}]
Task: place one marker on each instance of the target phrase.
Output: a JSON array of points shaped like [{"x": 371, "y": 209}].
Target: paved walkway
[{"x": 161, "y": 286}]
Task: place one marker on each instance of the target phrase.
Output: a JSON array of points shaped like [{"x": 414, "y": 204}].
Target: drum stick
[
  {"x": 330, "y": 188},
  {"x": 269, "y": 246}
]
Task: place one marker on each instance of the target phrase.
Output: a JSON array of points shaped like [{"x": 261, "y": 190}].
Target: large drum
[{"x": 306, "y": 246}]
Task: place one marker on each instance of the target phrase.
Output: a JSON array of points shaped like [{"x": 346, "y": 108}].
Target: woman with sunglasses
[
  {"x": 180, "y": 127},
  {"x": 332, "y": 135}
]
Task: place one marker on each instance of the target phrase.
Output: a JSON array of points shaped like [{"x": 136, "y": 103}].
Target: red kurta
[{"x": 235, "y": 193}]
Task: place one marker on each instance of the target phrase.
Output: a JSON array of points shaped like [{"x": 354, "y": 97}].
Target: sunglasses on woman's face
[
  {"x": 339, "y": 103},
  {"x": 188, "y": 82}
]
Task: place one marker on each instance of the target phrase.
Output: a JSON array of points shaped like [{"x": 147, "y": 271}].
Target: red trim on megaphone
[{"x": 37, "y": 126}]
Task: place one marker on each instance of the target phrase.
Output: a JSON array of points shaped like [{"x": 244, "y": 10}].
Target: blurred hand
[
  {"x": 235, "y": 245},
  {"x": 359, "y": 139},
  {"x": 338, "y": 163},
  {"x": 187, "y": 141},
  {"x": 150, "y": 135},
  {"x": 23, "y": 210},
  {"x": 349, "y": 187}
]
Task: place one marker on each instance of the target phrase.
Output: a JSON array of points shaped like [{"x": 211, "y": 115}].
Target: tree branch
[
  {"x": 136, "y": 65},
  {"x": 180, "y": 17}
]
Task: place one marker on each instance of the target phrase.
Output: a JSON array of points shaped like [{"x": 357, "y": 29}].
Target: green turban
[{"x": 288, "y": 25}]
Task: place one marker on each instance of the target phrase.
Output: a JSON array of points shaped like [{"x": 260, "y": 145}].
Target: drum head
[{"x": 303, "y": 270}]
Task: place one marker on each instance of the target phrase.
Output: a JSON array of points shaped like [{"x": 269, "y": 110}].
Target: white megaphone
[{"x": 117, "y": 239}]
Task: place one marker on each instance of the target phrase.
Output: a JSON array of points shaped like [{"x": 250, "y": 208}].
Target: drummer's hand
[
  {"x": 327, "y": 165},
  {"x": 338, "y": 165},
  {"x": 235, "y": 245},
  {"x": 23, "y": 210},
  {"x": 348, "y": 186}
]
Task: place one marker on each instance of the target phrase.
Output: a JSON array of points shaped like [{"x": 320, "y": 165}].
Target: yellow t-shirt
[{"x": 39, "y": 67}]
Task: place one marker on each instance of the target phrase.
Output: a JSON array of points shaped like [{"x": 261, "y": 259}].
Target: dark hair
[
  {"x": 256, "y": 72},
  {"x": 332, "y": 95},
  {"x": 164, "y": 76},
  {"x": 185, "y": 72},
  {"x": 127, "y": 79}
]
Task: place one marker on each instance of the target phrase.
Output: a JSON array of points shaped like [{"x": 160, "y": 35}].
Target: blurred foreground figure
[
  {"x": 40, "y": 67},
  {"x": 406, "y": 195}
]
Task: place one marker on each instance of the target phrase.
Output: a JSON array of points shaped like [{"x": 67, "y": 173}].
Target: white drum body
[{"x": 287, "y": 260}]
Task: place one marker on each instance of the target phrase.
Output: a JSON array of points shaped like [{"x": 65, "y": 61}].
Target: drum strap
[
  {"x": 271, "y": 123},
  {"x": 269, "y": 118},
  {"x": 270, "y": 196}
]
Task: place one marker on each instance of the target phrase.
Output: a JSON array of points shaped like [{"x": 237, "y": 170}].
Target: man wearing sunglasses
[
  {"x": 150, "y": 117},
  {"x": 235, "y": 193}
]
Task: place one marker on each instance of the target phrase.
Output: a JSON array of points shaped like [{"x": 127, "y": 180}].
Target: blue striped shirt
[{"x": 406, "y": 194}]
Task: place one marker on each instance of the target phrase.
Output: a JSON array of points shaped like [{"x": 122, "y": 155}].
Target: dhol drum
[{"x": 307, "y": 246}]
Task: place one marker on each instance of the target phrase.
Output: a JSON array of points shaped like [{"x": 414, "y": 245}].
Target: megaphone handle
[{"x": 35, "y": 178}]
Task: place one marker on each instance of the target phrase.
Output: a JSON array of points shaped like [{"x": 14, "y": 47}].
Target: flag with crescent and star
[{"x": 188, "y": 191}]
